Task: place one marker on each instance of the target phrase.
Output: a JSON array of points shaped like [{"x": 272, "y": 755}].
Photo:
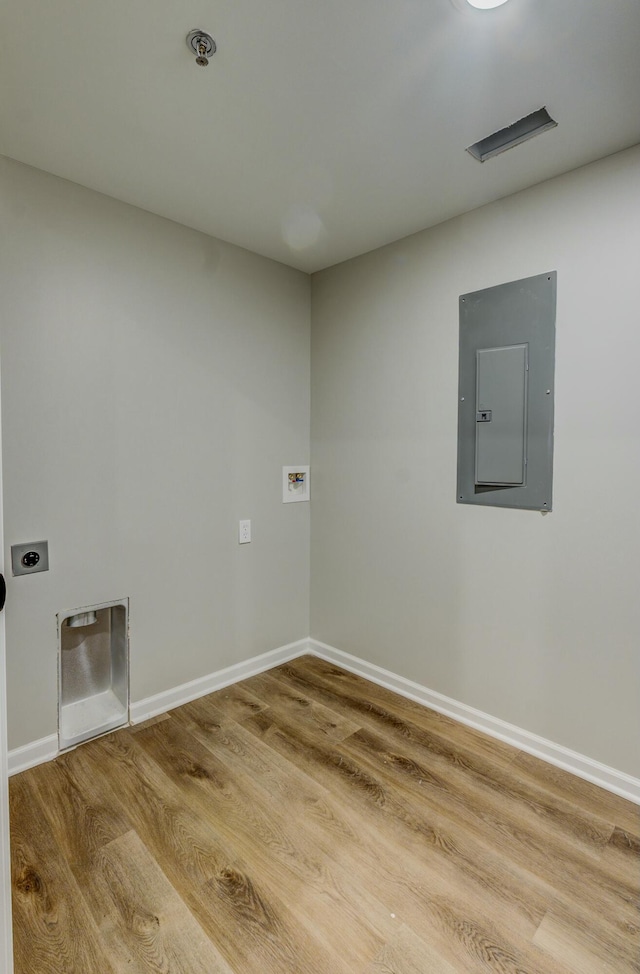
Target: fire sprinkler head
[{"x": 202, "y": 45}]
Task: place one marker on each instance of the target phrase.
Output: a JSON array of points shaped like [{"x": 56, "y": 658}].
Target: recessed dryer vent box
[
  {"x": 505, "y": 397},
  {"x": 93, "y": 671}
]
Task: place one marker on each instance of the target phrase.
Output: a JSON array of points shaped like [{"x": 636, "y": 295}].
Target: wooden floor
[{"x": 308, "y": 821}]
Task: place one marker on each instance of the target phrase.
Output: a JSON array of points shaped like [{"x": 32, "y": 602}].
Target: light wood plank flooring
[{"x": 308, "y": 821}]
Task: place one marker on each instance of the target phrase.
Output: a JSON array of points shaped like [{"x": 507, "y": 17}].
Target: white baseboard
[
  {"x": 37, "y": 752},
  {"x": 609, "y": 778},
  {"x": 168, "y": 699}
]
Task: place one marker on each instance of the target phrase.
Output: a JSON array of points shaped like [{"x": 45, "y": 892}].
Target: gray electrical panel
[{"x": 505, "y": 399}]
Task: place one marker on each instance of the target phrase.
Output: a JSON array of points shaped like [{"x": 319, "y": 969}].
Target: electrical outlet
[
  {"x": 244, "y": 532},
  {"x": 26, "y": 559}
]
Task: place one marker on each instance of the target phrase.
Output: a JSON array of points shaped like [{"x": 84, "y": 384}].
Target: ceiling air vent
[{"x": 525, "y": 128}]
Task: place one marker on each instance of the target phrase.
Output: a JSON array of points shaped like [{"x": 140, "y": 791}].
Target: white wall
[
  {"x": 533, "y": 619},
  {"x": 154, "y": 381}
]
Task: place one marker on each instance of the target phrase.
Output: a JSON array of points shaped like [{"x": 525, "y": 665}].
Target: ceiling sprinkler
[{"x": 202, "y": 45}]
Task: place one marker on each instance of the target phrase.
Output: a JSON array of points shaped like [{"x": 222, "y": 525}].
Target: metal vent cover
[{"x": 514, "y": 134}]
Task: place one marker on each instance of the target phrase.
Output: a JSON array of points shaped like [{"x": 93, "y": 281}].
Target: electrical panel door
[{"x": 505, "y": 394}]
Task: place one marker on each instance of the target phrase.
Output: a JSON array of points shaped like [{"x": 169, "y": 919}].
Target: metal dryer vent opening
[{"x": 82, "y": 619}]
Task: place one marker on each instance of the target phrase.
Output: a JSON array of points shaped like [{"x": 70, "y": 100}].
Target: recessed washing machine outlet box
[{"x": 296, "y": 484}]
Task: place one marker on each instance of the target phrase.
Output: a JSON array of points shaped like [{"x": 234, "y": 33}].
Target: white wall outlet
[{"x": 244, "y": 532}]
